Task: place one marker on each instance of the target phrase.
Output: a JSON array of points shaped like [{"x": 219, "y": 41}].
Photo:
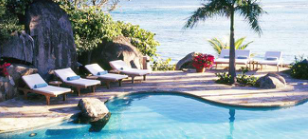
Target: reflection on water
[{"x": 231, "y": 123}]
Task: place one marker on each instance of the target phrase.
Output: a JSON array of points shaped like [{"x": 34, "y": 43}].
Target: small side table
[
  {"x": 115, "y": 71},
  {"x": 55, "y": 83},
  {"x": 92, "y": 77}
]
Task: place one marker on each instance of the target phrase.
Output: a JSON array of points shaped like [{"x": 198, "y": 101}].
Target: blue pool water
[
  {"x": 285, "y": 27},
  {"x": 170, "y": 116}
]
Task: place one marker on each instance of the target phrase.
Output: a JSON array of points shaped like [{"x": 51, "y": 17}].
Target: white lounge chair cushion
[
  {"x": 95, "y": 68},
  {"x": 237, "y": 61},
  {"x": 53, "y": 90},
  {"x": 84, "y": 82},
  {"x": 68, "y": 72},
  {"x": 224, "y": 53},
  {"x": 64, "y": 73},
  {"x": 241, "y": 61},
  {"x": 271, "y": 58},
  {"x": 111, "y": 76},
  {"x": 32, "y": 80},
  {"x": 222, "y": 60},
  {"x": 123, "y": 68},
  {"x": 135, "y": 72},
  {"x": 269, "y": 62},
  {"x": 242, "y": 53},
  {"x": 119, "y": 65}
]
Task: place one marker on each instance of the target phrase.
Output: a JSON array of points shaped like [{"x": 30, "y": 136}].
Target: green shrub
[
  {"x": 162, "y": 65},
  {"x": 249, "y": 80},
  {"x": 142, "y": 39},
  {"x": 9, "y": 21},
  {"x": 243, "y": 79},
  {"x": 299, "y": 69},
  {"x": 223, "y": 78}
]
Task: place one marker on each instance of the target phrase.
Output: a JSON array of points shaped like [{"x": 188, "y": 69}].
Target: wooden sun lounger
[
  {"x": 79, "y": 84},
  {"x": 48, "y": 91},
  {"x": 94, "y": 69},
  {"x": 122, "y": 68}
]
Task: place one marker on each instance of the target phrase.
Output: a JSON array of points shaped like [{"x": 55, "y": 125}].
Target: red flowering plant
[
  {"x": 203, "y": 60},
  {"x": 3, "y": 68}
]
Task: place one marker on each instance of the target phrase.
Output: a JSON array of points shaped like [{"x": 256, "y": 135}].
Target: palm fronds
[{"x": 218, "y": 45}]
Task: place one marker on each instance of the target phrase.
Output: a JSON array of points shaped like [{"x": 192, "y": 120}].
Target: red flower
[
  {"x": 203, "y": 60},
  {"x": 3, "y": 69}
]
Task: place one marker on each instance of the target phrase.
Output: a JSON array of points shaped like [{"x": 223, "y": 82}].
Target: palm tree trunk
[{"x": 232, "y": 71}]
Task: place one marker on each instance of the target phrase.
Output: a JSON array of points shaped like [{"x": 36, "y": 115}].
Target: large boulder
[
  {"x": 271, "y": 81},
  {"x": 51, "y": 30},
  {"x": 20, "y": 47},
  {"x": 119, "y": 49},
  {"x": 92, "y": 108},
  {"x": 7, "y": 88},
  {"x": 16, "y": 71},
  {"x": 186, "y": 62}
]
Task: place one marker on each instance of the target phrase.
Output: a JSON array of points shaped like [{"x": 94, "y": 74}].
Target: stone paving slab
[{"x": 17, "y": 114}]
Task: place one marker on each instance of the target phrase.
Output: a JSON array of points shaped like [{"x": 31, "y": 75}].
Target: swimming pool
[{"x": 173, "y": 116}]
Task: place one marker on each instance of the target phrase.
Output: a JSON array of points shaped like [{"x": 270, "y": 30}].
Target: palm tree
[
  {"x": 250, "y": 9},
  {"x": 218, "y": 45}
]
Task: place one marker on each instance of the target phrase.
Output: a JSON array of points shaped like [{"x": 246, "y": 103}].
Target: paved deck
[{"x": 19, "y": 114}]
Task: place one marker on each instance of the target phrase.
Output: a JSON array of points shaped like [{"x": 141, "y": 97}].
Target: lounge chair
[
  {"x": 99, "y": 72},
  {"x": 241, "y": 57},
  {"x": 121, "y": 67},
  {"x": 223, "y": 57},
  {"x": 271, "y": 58},
  {"x": 39, "y": 86},
  {"x": 69, "y": 77}
]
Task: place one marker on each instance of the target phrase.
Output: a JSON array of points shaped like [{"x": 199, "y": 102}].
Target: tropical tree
[
  {"x": 218, "y": 45},
  {"x": 250, "y": 9}
]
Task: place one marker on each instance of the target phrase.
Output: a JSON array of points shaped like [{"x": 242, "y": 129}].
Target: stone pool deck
[{"x": 17, "y": 114}]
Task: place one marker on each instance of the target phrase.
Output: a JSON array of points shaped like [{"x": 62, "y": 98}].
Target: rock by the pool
[
  {"x": 19, "y": 46},
  {"x": 54, "y": 45},
  {"x": 16, "y": 71},
  {"x": 119, "y": 49},
  {"x": 7, "y": 88},
  {"x": 186, "y": 62},
  {"x": 271, "y": 81},
  {"x": 92, "y": 108}
]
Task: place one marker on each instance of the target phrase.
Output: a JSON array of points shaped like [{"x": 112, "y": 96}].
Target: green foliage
[
  {"x": 299, "y": 68},
  {"x": 142, "y": 39},
  {"x": 91, "y": 26},
  {"x": 223, "y": 78},
  {"x": 218, "y": 45},
  {"x": 161, "y": 65},
  {"x": 244, "y": 79},
  {"x": 9, "y": 20},
  {"x": 250, "y": 80},
  {"x": 107, "y": 5}
]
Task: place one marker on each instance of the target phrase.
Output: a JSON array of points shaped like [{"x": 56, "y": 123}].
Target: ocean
[{"x": 284, "y": 26}]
